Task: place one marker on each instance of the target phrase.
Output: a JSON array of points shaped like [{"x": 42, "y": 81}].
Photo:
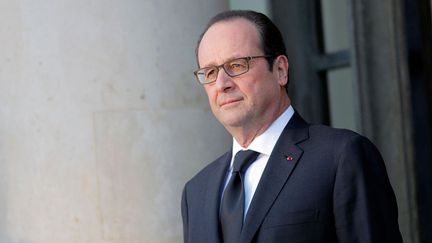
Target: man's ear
[{"x": 281, "y": 67}]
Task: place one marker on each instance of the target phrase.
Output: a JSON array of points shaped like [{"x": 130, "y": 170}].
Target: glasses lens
[
  {"x": 236, "y": 67},
  {"x": 207, "y": 75}
]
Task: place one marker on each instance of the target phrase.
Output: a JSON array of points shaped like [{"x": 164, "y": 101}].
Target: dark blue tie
[{"x": 232, "y": 205}]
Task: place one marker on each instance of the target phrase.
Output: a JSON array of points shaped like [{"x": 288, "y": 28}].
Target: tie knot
[{"x": 243, "y": 159}]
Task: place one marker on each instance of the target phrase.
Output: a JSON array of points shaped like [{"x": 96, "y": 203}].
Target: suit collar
[
  {"x": 265, "y": 142},
  {"x": 296, "y": 131},
  {"x": 280, "y": 165}
]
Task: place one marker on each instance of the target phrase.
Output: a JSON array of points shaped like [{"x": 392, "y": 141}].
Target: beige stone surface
[
  {"x": 101, "y": 120},
  {"x": 148, "y": 169}
]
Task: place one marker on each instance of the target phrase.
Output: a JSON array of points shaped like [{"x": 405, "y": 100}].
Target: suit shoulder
[
  {"x": 338, "y": 140},
  {"x": 208, "y": 170},
  {"x": 334, "y": 134}
]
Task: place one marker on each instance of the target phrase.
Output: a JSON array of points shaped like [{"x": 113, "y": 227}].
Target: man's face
[{"x": 251, "y": 99}]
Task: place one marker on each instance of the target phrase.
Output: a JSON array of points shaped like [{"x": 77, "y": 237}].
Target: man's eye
[
  {"x": 210, "y": 73},
  {"x": 237, "y": 66}
]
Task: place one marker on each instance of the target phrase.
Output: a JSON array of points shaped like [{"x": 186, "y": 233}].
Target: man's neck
[{"x": 244, "y": 135}]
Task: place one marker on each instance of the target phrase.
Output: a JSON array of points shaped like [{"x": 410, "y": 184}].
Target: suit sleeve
[
  {"x": 365, "y": 208},
  {"x": 184, "y": 211}
]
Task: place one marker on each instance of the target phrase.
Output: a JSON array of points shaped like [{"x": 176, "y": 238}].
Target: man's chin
[{"x": 233, "y": 121}]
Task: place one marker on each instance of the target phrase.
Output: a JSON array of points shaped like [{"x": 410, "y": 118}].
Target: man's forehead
[
  {"x": 238, "y": 28},
  {"x": 228, "y": 39}
]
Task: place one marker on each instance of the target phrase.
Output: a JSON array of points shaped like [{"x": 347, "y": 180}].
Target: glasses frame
[{"x": 248, "y": 59}]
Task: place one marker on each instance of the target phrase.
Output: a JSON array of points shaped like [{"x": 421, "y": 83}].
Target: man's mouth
[{"x": 229, "y": 102}]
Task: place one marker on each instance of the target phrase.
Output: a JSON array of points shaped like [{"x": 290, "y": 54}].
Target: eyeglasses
[{"x": 233, "y": 68}]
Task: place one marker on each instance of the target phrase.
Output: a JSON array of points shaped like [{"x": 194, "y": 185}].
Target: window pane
[
  {"x": 335, "y": 25},
  {"x": 341, "y": 98}
]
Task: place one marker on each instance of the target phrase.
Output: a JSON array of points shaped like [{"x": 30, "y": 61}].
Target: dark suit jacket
[{"x": 335, "y": 189}]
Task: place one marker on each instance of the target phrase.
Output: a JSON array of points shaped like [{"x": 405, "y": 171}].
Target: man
[{"x": 303, "y": 183}]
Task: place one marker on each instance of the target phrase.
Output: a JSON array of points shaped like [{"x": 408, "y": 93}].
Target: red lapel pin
[{"x": 289, "y": 158}]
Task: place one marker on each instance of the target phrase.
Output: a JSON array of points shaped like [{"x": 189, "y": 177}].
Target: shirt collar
[{"x": 266, "y": 141}]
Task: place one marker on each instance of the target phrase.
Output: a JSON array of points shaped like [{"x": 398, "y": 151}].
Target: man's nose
[{"x": 223, "y": 81}]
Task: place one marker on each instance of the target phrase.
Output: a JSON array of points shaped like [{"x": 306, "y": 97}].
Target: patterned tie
[{"x": 232, "y": 205}]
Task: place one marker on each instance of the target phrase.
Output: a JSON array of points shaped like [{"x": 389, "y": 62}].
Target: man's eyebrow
[{"x": 213, "y": 64}]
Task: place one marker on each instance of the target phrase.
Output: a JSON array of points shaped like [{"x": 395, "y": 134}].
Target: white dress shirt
[{"x": 263, "y": 144}]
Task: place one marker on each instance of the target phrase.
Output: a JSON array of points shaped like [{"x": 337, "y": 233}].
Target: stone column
[
  {"x": 384, "y": 104},
  {"x": 101, "y": 120}
]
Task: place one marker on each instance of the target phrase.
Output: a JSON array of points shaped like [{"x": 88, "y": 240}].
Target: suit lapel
[
  {"x": 212, "y": 198},
  {"x": 280, "y": 165}
]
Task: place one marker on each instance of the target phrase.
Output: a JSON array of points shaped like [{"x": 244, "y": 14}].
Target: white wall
[{"x": 101, "y": 120}]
